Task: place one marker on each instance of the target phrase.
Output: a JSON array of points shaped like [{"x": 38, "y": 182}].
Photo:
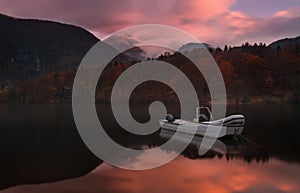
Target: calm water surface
[{"x": 42, "y": 152}]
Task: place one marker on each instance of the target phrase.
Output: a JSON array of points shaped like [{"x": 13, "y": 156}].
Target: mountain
[
  {"x": 39, "y": 59},
  {"x": 124, "y": 41},
  {"x": 31, "y": 47},
  {"x": 193, "y": 46},
  {"x": 287, "y": 43}
]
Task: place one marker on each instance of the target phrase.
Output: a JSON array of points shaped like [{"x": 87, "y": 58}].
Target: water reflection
[
  {"x": 182, "y": 175},
  {"x": 40, "y": 144},
  {"x": 229, "y": 145},
  {"x": 237, "y": 147}
]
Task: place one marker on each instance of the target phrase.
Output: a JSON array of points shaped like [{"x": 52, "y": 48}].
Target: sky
[{"x": 216, "y": 22}]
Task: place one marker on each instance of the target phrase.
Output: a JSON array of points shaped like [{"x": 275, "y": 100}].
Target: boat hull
[{"x": 232, "y": 125}]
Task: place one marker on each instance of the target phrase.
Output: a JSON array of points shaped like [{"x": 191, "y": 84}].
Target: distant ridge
[
  {"x": 193, "y": 46},
  {"x": 30, "y": 47},
  {"x": 285, "y": 43}
]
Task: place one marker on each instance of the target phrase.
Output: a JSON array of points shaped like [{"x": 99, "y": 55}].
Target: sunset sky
[{"x": 216, "y": 22}]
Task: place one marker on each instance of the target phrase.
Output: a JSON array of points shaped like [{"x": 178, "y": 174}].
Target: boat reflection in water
[
  {"x": 225, "y": 146},
  {"x": 230, "y": 147}
]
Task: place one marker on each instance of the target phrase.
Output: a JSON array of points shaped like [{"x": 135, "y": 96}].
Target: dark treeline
[
  {"x": 259, "y": 73},
  {"x": 252, "y": 74}
]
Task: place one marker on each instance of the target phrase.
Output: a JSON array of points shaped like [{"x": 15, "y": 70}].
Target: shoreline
[{"x": 230, "y": 101}]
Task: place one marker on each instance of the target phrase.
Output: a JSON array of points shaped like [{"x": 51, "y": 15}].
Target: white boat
[{"x": 204, "y": 126}]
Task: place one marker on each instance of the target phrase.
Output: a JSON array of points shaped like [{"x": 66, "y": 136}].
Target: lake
[{"x": 41, "y": 151}]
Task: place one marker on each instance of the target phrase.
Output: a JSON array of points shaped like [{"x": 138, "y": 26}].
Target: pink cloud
[
  {"x": 294, "y": 12},
  {"x": 210, "y": 21}
]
